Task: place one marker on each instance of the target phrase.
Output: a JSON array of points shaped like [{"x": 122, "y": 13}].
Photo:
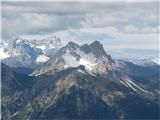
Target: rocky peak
[
  {"x": 98, "y": 49},
  {"x": 72, "y": 45},
  {"x": 96, "y": 44},
  {"x": 86, "y": 48}
]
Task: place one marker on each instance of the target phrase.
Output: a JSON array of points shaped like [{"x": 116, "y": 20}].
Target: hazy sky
[{"x": 117, "y": 24}]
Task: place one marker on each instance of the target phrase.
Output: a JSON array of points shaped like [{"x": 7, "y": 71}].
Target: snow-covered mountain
[
  {"x": 92, "y": 56},
  {"x": 19, "y": 52},
  {"x": 94, "y": 59}
]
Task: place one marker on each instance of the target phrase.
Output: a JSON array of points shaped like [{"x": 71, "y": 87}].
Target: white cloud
[
  {"x": 38, "y": 21},
  {"x": 110, "y": 37},
  {"x": 26, "y": 23},
  {"x": 117, "y": 24},
  {"x": 102, "y": 20},
  {"x": 150, "y": 29},
  {"x": 131, "y": 28}
]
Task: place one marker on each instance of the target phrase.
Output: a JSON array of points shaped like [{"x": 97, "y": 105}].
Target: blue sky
[{"x": 117, "y": 24}]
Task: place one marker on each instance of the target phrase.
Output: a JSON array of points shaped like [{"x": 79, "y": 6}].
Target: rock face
[
  {"x": 80, "y": 82},
  {"x": 79, "y": 104},
  {"x": 8, "y": 78}
]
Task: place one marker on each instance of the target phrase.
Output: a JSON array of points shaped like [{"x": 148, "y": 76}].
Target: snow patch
[
  {"x": 3, "y": 54},
  {"x": 42, "y": 58},
  {"x": 132, "y": 85},
  {"x": 42, "y": 47},
  {"x": 124, "y": 83},
  {"x": 137, "y": 86},
  {"x": 71, "y": 61},
  {"x": 157, "y": 61},
  {"x": 81, "y": 71},
  {"x": 87, "y": 64},
  {"x": 18, "y": 41}
]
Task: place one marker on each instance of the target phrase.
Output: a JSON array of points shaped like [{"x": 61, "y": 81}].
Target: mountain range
[
  {"x": 19, "y": 52},
  {"x": 41, "y": 79}
]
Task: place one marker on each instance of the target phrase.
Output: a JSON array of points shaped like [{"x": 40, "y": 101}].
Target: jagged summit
[
  {"x": 72, "y": 45},
  {"x": 93, "y": 57},
  {"x": 96, "y": 44},
  {"x": 96, "y": 48}
]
